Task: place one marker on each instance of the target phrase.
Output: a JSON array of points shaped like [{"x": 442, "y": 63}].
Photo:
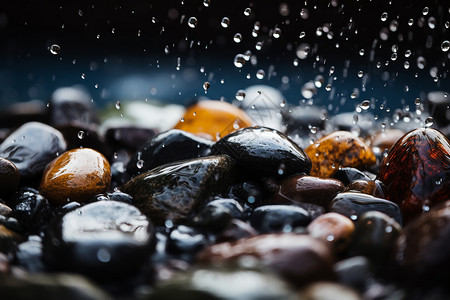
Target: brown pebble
[
  {"x": 5, "y": 210},
  {"x": 9, "y": 177},
  {"x": 8, "y": 239},
  {"x": 334, "y": 229},
  {"x": 372, "y": 187},
  {"x": 76, "y": 175}
]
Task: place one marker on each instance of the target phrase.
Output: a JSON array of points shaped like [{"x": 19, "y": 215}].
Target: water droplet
[
  {"x": 192, "y": 22},
  {"x": 361, "y": 52},
  {"x": 406, "y": 65},
  {"x": 140, "y": 164},
  {"x": 330, "y": 238},
  {"x": 240, "y": 95},
  {"x": 421, "y": 62},
  {"x": 365, "y": 104},
  {"x": 302, "y": 34},
  {"x": 425, "y": 10},
  {"x": 225, "y": 22},
  {"x": 81, "y": 134},
  {"x": 80, "y": 12},
  {"x": 308, "y": 90},
  {"x": 260, "y": 74},
  {"x": 55, "y": 49},
  {"x": 258, "y": 46},
  {"x": 445, "y": 46},
  {"x": 393, "y": 26},
  {"x": 384, "y": 16},
  {"x": 117, "y": 104},
  {"x": 313, "y": 129},
  {"x": 388, "y": 229},
  {"x": 360, "y": 74},
  {"x": 206, "y": 86},
  {"x": 276, "y": 33},
  {"x": 239, "y": 60},
  {"x": 83, "y": 76},
  {"x": 328, "y": 87},
  {"x": 408, "y": 53},
  {"x": 237, "y": 38},
  {"x": 410, "y": 22},
  {"x": 182, "y": 120},
  {"x": 247, "y": 11},
  {"x": 394, "y": 56},
  {"x": 432, "y": 22},
  {"x": 168, "y": 224},
  {"x": 103, "y": 255},
  {"x": 303, "y": 51},
  {"x": 318, "y": 81},
  {"x": 206, "y": 3},
  {"x": 304, "y": 13},
  {"x": 429, "y": 122}
]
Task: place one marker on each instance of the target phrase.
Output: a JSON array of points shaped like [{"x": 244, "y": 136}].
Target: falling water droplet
[
  {"x": 302, "y": 34},
  {"x": 260, "y": 74},
  {"x": 83, "y": 76},
  {"x": 55, "y": 49},
  {"x": 206, "y": 3},
  {"x": 276, "y": 33},
  {"x": 240, "y": 95},
  {"x": 239, "y": 60},
  {"x": 247, "y": 11},
  {"x": 225, "y": 22},
  {"x": 303, "y": 51},
  {"x": 445, "y": 46},
  {"x": 425, "y": 10},
  {"x": 237, "y": 38},
  {"x": 140, "y": 164},
  {"x": 360, "y": 74},
  {"x": 384, "y": 16},
  {"x": 365, "y": 104},
  {"x": 81, "y": 134},
  {"x": 429, "y": 122},
  {"x": 206, "y": 86},
  {"x": 192, "y": 22},
  {"x": 117, "y": 104}
]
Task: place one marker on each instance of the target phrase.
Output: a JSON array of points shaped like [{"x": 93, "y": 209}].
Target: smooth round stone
[
  {"x": 5, "y": 210},
  {"x": 217, "y": 214},
  {"x": 279, "y": 218},
  {"x": 336, "y": 150},
  {"x": 9, "y": 177},
  {"x": 348, "y": 174},
  {"x": 375, "y": 237},
  {"x": 354, "y": 204},
  {"x": 372, "y": 187},
  {"x": 31, "y": 147},
  {"x": 76, "y": 175},
  {"x": 105, "y": 240},
  {"x": 174, "y": 191},
  {"x": 8, "y": 239},
  {"x": 298, "y": 258},
  {"x": 236, "y": 229},
  {"x": 334, "y": 229},
  {"x": 307, "y": 189},
  {"x": 354, "y": 272},
  {"x": 213, "y": 119},
  {"x": 166, "y": 147},
  {"x": 329, "y": 291},
  {"x": 185, "y": 240},
  {"x": 423, "y": 249},
  {"x": 29, "y": 254},
  {"x": 248, "y": 192},
  {"x": 416, "y": 172},
  {"x": 264, "y": 152}
]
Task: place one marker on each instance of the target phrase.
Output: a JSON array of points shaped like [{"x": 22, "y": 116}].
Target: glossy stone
[
  {"x": 336, "y": 150},
  {"x": 5, "y": 210},
  {"x": 213, "y": 119},
  {"x": 217, "y": 214},
  {"x": 279, "y": 218},
  {"x": 298, "y": 258},
  {"x": 329, "y": 291},
  {"x": 8, "y": 239},
  {"x": 130, "y": 138},
  {"x": 31, "y": 147},
  {"x": 75, "y": 175},
  {"x": 354, "y": 204},
  {"x": 354, "y": 272},
  {"x": 174, "y": 191},
  {"x": 348, "y": 174},
  {"x": 236, "y": 229},
  {"x": 248, "y": 192},
  {"x": 264, "y": 152},
  {"x": 185, "y": 240},
  {"x": 106, "y": 240},
  {"x": 375, "y": 238},
  {"x": 334, "y": 229},
  {"x": 166, "y": 147},
  {"x": 29, "y": 254},
  {"x": 372, "y": 187},
  {"x": 307, "y": 189},
  {"x": 422, "y": 249},
  {"x": 416, "y": 171},
  {"x": 9, "y": 177}
]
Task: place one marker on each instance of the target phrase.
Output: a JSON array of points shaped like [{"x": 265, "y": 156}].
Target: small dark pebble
[{"x": 279, "y": 218}]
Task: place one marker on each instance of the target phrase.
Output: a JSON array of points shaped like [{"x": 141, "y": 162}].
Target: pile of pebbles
[{"x": 313, "y": 207}]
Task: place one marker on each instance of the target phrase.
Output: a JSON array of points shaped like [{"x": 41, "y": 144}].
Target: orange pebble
[
  {"x": 338, "y": 149},
  {"x": 213, "y": 119},
  {"x": 75, "y": 175}
]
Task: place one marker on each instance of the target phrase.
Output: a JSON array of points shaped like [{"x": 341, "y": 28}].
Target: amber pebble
[
  {"x": 298, "y": 258},
  {"x": 213, "y": 119},
  {"x": 9, "y": 177},
  {"x": 338, "y": 149},
  {"x": 76, "y": 175},
  {"x": 307, "y": 189},
  {"x": 416, "y": 171},
  {"x": 386, "y": 139},
  {"x": 334, "y": 229},
  {"x": 370, "y": 187}
]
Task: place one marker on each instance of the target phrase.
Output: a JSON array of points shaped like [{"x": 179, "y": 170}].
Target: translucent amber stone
[
  {"x": 213, "y": 119},
  {"x": 338, "y": 149},
  {"x": 416, "y": 171}
]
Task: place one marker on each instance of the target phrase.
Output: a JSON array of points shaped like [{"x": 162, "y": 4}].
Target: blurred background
[{"x": 333, "y": 53}]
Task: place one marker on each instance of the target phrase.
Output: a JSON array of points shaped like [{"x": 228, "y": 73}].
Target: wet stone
[
  {"x": 9, "y": 239},
  {"x": 31, "y": 147},
  {"x": 120, "y": 197},
  {"x": 353, "y": 205},
  {"x": 5, "y": 210},
  {"x": 426, "y": 179},
  {"x": 279, "y": 218},
  {"x": 236, "y": 229},
  {"x": 29, "y": 254},
  {"x": 298, "y": 258},
  {"x": 329, "y": 291},
  {"x": 372, "y": 187},
  {"x": 336, "y": 150},
  {"x": 130, "y": 138},
  {"x": 422, "y": 249},
  {"x": 75, "y": 175},
  {"x": 9, "y": 177},
  {"x": 354, "y": 272},
  {"x": 174, "y": 191},
  {"x": 166, "y": 147},
  {"x": 263, "y": 152},
  {"x": 307, "y": 189},
  {"x": 105, "y": 240},
  {"x": 348, "y": 174},
  {"x": 375, "y": 238},
  {"x": 186, "y": 240},
  {"x": 248, "y": 192},
  {"x": 213, "y": 119},
  {"x": 334, "y": 229}
]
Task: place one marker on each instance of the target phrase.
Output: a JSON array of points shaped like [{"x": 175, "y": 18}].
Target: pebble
[
  {"x": 9, "y": 177},
  {"x": 264, "y": 152},
  {"x": 354, "y": 204},
  {"x": 279, "y": 218},
  {"x": 371, "y": 187},
  {"x": 336, "y": 150},
  {"x": 235, "y": 230},
  {"x": 9, "y": 240},
  {"x": 5, "y": 210},
  {"x": 329, "y": 291},
  {"x": 299, "y": 258},
  {"x": 185, "y": 240},
  {"x": 348, "y": 174},
  {"x": 166, "y": 147},
  {"x": 75, "y": 175},
  {"x": 426, "y": 179},
  {"x": 354, "y": 272},
  {"x": 29, "y": 254},
  {"x": 174, "y": 191},
  {"x": 213, "y": 119},
  {"x": 386, "y": 138},
  {"x": 31, "y": 147},
  {"x": 307, "y": 189},
  {"x": 248, "y": 192},
  {"x": 105, "y": 240},
  {"x": 334, "y": 229}
]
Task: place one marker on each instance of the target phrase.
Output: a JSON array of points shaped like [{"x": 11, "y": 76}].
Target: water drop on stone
[
  {"x": 260, "y": 74},
  {"x": 103, "y": 255},
  {"x": 225, "y": 22},
  {"x": 445, "y": 46},
  {"x": 81, "y": 134},
  {"x": 192, "y": 22},
  {"x": 429, "y": 122},
  {"x": 239, "y": 60},
  {"x": 140, "y": 164},
  {"x": 206, "y": 86},
  {"x": 55, "y": 49},
  {"x": 240, "y": 95},
  {"x": 237, "y": 38},
  {"x": 117, "y": 104},
  {"x": 365, "y": 104}
]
